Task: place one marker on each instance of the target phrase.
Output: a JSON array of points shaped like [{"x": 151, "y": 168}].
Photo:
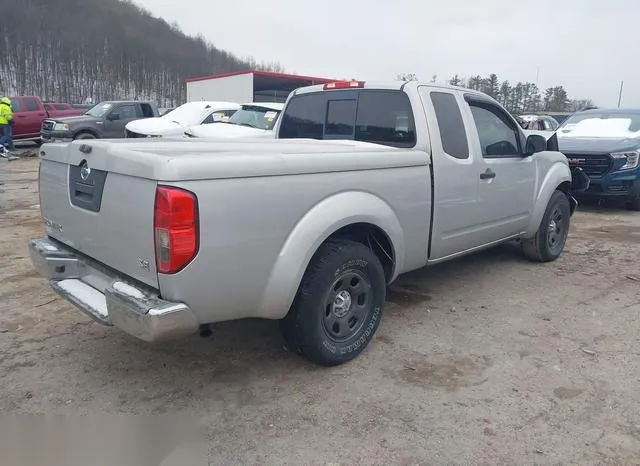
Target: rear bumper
[{"x": 111, "y": 300}]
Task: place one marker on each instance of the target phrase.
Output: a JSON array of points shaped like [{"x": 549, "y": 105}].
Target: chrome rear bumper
[{"x": 107, "y": 298}]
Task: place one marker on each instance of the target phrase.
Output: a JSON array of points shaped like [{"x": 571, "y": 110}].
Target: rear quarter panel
[{"x": 246, "y": 223}]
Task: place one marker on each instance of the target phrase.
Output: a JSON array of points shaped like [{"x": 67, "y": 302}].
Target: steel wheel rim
[
  {"x": 556, "y": 230},
  {"x": 346, "y": 305}
]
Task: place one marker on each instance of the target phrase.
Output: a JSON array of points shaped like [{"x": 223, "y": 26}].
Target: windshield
[
  {"x": 601, "y": 125},
  {"x": 255, "y": 117},
  {"x": 100, "y": 110}
]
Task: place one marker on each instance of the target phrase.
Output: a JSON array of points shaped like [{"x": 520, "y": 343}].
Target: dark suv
[{"x": 606, "y": 145}]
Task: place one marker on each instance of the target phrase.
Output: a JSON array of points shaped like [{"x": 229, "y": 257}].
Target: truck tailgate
[{"x": 92, "y": 205}]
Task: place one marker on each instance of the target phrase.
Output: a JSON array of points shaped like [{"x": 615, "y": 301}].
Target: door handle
[{"x": 487, "y": 175}]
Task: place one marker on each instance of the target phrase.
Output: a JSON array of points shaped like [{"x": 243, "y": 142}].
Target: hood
[
  {"x": 597, "y": 145},
  {"x": 226, "y": 130},
  {"x": 70, "y": 120},
  {"x": 158, "y": 126}
]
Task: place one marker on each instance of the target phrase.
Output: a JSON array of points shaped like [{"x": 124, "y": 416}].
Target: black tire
[
  {"x": 339, "y": 304},
  {"x": 634, "y": 205},
  {"x": 549, "y": 240},
  {"x": 84, "y": 135}
]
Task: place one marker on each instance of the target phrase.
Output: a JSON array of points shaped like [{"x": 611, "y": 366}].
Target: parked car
[
  {"x": 402, "y": 175},
  {"x": 30, "y": 112},
  {"x": 538, "y": 122},
  {"x": 252, "y": 120},
  {"x": 104, "y": 120},
  {"x": 175, "y": 122},
  {"x": 606, "y": 145}
]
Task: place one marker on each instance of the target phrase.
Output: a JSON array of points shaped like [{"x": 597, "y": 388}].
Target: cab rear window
[{"x": 377, "y": 116}]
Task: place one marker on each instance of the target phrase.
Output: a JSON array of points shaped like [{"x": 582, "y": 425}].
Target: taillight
[
  {"x": 176, "y": 228},
  {"x": 343, "y": 85}
]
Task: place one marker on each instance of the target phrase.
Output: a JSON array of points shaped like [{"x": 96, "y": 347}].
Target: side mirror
[
  {"x": 535, "y": 143},
  {"x": 113, "y": 116}
]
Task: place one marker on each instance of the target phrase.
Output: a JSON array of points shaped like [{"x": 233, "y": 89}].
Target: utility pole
[{"x": 620, "y": 95}]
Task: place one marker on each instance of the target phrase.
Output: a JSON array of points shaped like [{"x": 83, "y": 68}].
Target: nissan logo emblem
[{"x": 85, "y": 171}]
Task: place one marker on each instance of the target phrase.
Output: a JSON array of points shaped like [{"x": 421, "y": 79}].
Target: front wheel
[
  {"x": 549, "y": 240},
  {"x": 85, "y": 135},
  {"x": 339, "y": 304}
]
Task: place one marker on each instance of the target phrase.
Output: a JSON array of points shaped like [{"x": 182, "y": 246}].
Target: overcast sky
[{"x": 588, "y": 46}]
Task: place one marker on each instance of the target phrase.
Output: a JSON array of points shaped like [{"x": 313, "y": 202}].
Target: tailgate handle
[
  {"x": 83, "y": 191},
  {"x": 86, "y": 191}
]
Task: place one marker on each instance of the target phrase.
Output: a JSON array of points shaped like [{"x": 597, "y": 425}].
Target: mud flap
[{"x": 579, "y": 184}]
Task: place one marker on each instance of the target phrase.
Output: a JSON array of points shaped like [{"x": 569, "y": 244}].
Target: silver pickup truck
[{"x": 364, "y": 182}]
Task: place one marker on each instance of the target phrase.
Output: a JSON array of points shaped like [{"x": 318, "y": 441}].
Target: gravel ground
[{"x": 488, "y": 359}]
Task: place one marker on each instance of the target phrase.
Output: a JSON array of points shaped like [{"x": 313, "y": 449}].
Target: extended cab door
[
  {"x": 506, "y": 176},
  {"x": 118, "y": 117},
  {"x": 455, "y": 174}
]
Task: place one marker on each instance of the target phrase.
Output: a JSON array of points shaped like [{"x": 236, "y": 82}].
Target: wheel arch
[
  {"x": 558, "y": 177},
  {"x": 85, "y": 130},
  {"x": 357, "y": 216}
]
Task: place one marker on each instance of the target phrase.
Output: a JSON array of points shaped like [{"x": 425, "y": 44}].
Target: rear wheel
[
  {"x": 549, "y": 240},
  {"x": 84, "y": 135},
  {"x": 339, "y": 304}
]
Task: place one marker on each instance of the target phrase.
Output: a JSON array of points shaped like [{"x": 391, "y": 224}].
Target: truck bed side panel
[{"x": 245, "y": 222}]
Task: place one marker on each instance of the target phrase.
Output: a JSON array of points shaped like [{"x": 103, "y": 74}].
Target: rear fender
[
  {"x": 318, "y": 224},
  {"x": 557, "y": 174}
]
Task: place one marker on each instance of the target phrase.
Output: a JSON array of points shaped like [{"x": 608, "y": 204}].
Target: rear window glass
[
  {"x": 304, "y": 117},
  {"x": 341, "y": 115},
  {"x": 385, "y": 117},
  {"x": 381, "y": 117},
  {"x": 452, "y": 133}
]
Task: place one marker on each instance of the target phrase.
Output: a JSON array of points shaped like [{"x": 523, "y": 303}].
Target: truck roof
[{"x": 391, "y": 85}]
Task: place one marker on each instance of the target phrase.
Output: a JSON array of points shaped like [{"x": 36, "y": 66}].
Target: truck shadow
[{"x": 244, "y": 352}]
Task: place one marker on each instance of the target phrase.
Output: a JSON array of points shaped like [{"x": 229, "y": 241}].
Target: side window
[
  {"x": 385, "y": 117},
  {"x": 208, "y": 120},
  {"x": 451, "y": 125},
  {"x": 341, "y": 116},
  {"x": 31, "y": 104},
  {"x": 221, "y": 115},
  {"x": 304, "y": 117},
  {"x": 147, "y": 111},
  {"x": 47, "y": 107},
  {"x": 61, "y": 107},
  {"x": 127, "y": 111},
  {"x": 498, "y": 137},
  {"x": 17, "y": 105}
]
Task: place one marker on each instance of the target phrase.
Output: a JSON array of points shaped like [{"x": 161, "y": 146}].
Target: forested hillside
[{"x": 74, "y": 50}]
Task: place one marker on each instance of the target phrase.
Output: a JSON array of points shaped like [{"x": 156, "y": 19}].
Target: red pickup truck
[{"x": 29, "y": 112}]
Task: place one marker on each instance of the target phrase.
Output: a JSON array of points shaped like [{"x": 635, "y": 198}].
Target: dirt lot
[{"x": 489, "y": 359}]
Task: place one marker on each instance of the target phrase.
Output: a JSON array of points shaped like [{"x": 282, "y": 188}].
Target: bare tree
[
  {"x": 78, "y": 50},
  {"x": 407, "y": 77}
]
